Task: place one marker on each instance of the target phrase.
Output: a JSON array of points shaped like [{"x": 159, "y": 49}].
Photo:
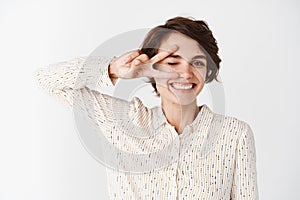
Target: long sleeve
[
  {"x": 62, "y": 79},
  {"x": 245, "y": 174},
  {"x": 75, "y": 83}
]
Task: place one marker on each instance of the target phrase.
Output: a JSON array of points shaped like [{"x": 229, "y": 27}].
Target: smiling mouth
[{"x": 183, "y": 86}]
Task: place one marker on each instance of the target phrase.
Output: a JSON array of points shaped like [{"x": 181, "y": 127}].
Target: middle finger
[{"x": 162, "y": 55}]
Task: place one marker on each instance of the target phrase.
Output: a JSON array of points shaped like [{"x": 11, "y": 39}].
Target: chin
[{"x": 179, "y": 101}]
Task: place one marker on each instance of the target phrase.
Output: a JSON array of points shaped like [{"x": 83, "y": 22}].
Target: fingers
[
  {"x": 164, "y": 75},
  {"x": 162, "y": 55},
  {"x": 137, "y": 64},
  {"x": 163, "y": 72},
  {"x": 140, "y": 59},
  {"x": 130, "y": 56}
]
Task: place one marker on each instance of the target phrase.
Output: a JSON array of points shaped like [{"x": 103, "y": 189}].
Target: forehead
[{"x": 187, "y": 47}]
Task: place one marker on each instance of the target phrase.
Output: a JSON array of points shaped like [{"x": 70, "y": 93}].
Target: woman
[{"x": 178, "y": 57}]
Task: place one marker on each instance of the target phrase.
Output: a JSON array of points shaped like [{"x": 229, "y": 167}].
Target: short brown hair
[{"x": 195, "y": 29}]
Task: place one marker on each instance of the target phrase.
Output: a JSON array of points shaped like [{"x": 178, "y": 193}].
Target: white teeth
[{"x": 182, "y": 86}]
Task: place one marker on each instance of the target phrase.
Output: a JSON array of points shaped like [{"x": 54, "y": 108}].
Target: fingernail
[{"x": 136, "y": 62}]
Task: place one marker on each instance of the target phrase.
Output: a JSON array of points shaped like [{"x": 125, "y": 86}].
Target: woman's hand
[{"x": 133, "y": 64}]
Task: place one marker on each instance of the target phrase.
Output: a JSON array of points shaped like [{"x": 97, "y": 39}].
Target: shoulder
[
  {"x": 231, "y": 127},
  {"x": 228, "y": 122}
]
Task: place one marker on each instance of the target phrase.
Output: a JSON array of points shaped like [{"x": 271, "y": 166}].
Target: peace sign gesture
[{"x": 133, "y": 64}]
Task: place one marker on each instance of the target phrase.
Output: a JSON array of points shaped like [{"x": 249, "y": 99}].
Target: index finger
[
  {"x": 162, "y": 55},
  {"x": 129, "y": 56}
]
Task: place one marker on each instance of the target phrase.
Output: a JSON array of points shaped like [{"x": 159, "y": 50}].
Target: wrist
[{"x": 111, "y": 69}]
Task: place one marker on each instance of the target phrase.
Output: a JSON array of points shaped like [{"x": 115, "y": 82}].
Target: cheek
[
  {"x": 162, "y": 89},
  {"x": 161, "y": 83},
  {"x": 200, "y": 74}
]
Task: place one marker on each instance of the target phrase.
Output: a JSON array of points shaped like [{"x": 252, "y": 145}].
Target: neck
[{"x": 180, "y": 116}]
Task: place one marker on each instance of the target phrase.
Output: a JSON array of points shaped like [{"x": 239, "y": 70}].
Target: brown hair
[{"x": 195, "y": 29}]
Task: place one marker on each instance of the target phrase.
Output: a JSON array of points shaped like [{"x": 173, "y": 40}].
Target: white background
[{"x": 41, "y": 156}]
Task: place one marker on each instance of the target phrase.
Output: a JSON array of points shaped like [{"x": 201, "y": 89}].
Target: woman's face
[{"x": 189, "y": 61}]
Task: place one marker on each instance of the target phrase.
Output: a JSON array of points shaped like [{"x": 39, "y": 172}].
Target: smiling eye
[{"x": 172, "y": 63}]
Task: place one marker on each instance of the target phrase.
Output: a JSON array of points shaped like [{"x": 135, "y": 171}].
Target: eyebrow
[
  {"x": 199, "y": 56},
  {"x": 195, "y": 57}
]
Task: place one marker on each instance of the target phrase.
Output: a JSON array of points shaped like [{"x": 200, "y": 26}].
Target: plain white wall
[{"x": 41, "y": 156}]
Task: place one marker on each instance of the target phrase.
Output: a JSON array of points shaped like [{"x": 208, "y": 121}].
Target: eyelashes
[{"x": 195, "y": 63}]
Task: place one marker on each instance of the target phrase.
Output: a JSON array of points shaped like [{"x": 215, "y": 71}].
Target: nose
[{"x": 185, "y": 70}]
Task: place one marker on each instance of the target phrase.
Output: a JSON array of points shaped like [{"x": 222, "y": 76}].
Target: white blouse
[{"x": 145, "y": 158}]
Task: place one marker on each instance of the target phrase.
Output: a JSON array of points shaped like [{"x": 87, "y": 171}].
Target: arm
[
  {"x": 74, "y": 81},
  {"x": 245, "y": 177},
  {"x": 63, "y": 78},
  {"x": 66, "y": 79}
]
